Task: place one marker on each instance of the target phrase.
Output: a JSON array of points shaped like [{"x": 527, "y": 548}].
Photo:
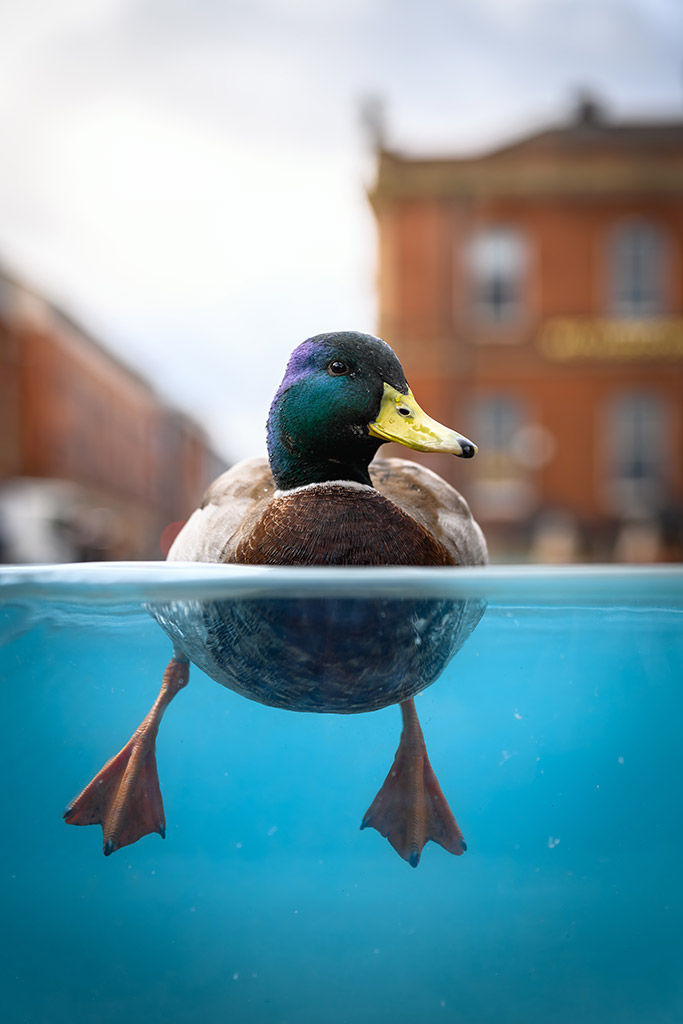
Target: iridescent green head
[{"x": 343, "y": 395}]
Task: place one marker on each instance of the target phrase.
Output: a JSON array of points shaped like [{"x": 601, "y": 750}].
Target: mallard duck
[{"x": 317, "y": 500}]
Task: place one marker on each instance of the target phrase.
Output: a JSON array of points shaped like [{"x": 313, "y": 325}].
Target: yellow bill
[{"x": 402, "y": 420}]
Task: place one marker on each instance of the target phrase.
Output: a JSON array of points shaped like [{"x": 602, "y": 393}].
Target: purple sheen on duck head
[
  {"x": 301, "y": 360},
  {"x": 313, "y": 353}
]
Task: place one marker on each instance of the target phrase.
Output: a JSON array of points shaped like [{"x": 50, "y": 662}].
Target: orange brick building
[
  {"x": 93, "y": 464},
  {"x": 535, "y": 297}
]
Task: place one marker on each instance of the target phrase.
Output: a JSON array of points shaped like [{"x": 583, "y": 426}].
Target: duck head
[{"x": 344, "y": 395}]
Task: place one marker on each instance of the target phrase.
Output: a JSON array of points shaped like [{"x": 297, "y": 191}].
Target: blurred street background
[{"x": 187, "y": 191}]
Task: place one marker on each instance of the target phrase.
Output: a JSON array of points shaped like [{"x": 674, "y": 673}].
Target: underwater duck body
[{"x": 555, "y": 734}]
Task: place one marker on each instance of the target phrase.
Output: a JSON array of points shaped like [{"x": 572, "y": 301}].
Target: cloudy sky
[{"x": 187, "y": 177}]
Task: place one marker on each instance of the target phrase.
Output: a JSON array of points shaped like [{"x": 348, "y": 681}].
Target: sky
[{"x": 188, "y": 179}]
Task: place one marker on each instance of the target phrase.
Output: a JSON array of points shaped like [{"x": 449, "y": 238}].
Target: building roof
[
  {"x": 591, "y": 131},
  {"x": 590, "y": 153}
]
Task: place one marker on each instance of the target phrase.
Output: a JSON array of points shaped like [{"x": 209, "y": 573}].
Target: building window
[
  {"x": 502, "y": 489},
  {"x": 636, "y": 436},
  {"x": 497, "y": 262},
  {"x": 637, "y": 267}
]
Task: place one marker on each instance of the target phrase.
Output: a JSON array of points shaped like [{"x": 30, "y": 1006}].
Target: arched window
[
  {"x": 497, "y": 259},
  {"x": 637, "y": 268}
]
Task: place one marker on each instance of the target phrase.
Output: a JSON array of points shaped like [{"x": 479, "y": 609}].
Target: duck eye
[{"x": 337, "y": 368}]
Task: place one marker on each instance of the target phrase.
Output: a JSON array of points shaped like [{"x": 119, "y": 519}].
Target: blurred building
[
  {"x": 535, "y": 297},
  {"x": 93, "y": 463}
]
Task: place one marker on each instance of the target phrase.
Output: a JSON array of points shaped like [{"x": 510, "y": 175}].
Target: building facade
[
  {"x": 535, "y": 297},
  {"x": 93, "y": 463}
]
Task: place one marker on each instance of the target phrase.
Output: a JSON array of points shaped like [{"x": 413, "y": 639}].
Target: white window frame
[
  {"x": 637, "y": 262},
  {"x": 497, "y": 260}
]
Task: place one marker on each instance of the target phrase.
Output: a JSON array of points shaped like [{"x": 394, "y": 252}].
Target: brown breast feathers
[{"x": 334, "y": 524}]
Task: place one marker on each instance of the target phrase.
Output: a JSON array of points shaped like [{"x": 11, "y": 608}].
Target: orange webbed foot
[
  {"x": 124, "y": 797},
  {"x": 410, "y": 808}
]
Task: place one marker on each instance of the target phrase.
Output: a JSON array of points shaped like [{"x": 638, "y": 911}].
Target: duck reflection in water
[{"x": 317, "y": 500}]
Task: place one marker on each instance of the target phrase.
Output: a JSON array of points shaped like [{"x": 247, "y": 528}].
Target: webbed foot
[
  {"x": 410, "y": 808},
  {"x": 124, "y": 797}
]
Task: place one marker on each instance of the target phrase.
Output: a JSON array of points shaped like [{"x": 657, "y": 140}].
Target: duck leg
[
  {"x": 124, "y": 797},
  {"x": 410, "y": 808}
]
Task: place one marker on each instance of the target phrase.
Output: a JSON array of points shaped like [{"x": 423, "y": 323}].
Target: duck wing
[
  {"x": 436, "y": 505},
  {"x": 232, "y": 502}
]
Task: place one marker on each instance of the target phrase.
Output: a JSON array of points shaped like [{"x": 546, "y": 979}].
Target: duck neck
[
  {"x": 296, "y": 469},
  {"x": 308, "y": 456}
]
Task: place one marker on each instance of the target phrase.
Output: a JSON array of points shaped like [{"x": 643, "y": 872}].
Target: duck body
[
  {"x": 341, "y": 655},
  {"x": 320, "y": 500}
]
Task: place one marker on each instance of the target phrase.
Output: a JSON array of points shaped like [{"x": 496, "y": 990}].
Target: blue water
[{"x": 555, "y": 734}]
